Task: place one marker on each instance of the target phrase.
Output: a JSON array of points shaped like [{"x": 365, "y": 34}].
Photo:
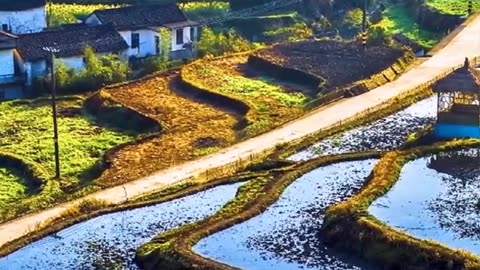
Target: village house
[
  {"x": 140, "y": 27},
  {"x": 28, "y": 57},
  {"x": 130, "y": 32},
  {"x": 23, "y": 16}
]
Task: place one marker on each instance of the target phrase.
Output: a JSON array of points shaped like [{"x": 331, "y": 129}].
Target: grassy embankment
[
  {"x": 350, "y": 227},
  {"x": 397, "y": 19},
  {"x": 270, "y": 105},
  {"x": 453, "y": 7},
  {"x": 189, "y": 129},
  {"x": 26, "y": 132}
]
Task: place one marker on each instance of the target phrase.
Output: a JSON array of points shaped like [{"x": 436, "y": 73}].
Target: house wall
[
  {"x": 147, "y": 46},
  {"x": 448, "y": 131},
  {"x": 12, "y": 91},
  {"x": 7, "y": 65},
  {"x": 186, "y": 38},
  {"x": 35, "y": 70},
  {"x": 25, "y": 21}
]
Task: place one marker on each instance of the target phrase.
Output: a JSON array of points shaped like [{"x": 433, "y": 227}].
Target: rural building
[
  {"x": 23, "y": 16},
  {"x": 26, "y": 59},
  {"x": 11, "y": 79},
  {"x": 458, "y": 113},
  {"x": 70, "y": 43},
  {"x": 140, "y": 27}
]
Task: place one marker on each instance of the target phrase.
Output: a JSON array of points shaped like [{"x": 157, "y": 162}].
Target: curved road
[{"x": 465, "y": 44}]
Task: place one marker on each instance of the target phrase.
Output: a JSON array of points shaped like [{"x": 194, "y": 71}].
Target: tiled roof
[
  {"x": 13, "y": 5},
  {"x": 70, "y": 41},
  {"x": 141, "y": 15},
  {"x": 5, "y": 35}
]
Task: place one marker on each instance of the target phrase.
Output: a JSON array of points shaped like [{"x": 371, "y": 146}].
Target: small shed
[{"x": 458, "y": 110}]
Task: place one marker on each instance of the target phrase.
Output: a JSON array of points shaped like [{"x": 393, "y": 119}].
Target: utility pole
[
  {"x": 364, "y": 25},
  {"x": 52, "y": 52}
]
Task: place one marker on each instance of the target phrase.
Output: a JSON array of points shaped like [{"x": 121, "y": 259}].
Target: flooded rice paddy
[
  {"x": 437, "y": 198},
  {"x": 286, "y": 236},
  {"x": 110, "y": 241},
  {"x": 385, "y": 134}
]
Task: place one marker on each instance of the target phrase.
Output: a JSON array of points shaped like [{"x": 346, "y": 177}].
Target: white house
[
  {"x": 24, "y": 59},
  {"x": 23, "y": 16},
  {"x": 140, "y": 27},
  {"x": 11, "y": 79}
]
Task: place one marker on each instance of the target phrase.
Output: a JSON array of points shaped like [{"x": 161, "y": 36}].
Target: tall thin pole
[
  {"x": 364, "y": 25},
  {"x": 54, "y": 111}
]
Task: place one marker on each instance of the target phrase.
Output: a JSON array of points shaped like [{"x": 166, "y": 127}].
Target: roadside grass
[
  {"x": 26, "y": 129},
  {"x": 397, "y": 19},
  {"x": 273, "y": 106},
  {"x": 453, "y": 7}
]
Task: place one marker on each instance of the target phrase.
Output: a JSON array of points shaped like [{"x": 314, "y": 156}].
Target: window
[
  {"x": 157, "y": 45},
  {"x": 179, "y": 36},
  {"x": 135, "y": 40},
  {"x": 192, "y": 34},
  {"x": 5, "y": 27}
]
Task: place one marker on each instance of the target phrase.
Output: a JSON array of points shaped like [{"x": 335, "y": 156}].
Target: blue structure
[{"x": 458, "y": 113}]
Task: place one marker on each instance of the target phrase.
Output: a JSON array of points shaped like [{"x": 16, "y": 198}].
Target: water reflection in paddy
[
  {"x": 110, "y": 241},
  {"x": 437, "y": 198},
  {"x": 286, "y": 235},
  {"x": 384, "y": 134}
]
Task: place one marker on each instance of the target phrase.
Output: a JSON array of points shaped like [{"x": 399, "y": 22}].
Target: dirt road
[{"x": 465, "y": 44}]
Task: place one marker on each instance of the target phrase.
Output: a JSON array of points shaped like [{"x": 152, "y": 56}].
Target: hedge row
[{"x": 348, "y": 226}]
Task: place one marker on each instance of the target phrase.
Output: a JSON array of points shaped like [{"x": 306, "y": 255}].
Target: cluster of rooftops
[{"x": 103, "y": 36}]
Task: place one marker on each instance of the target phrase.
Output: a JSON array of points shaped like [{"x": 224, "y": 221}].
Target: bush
[
  {"x": 99, "y": 71},
  {"x": 353, "y": 18},
  {"x": 298, "y": 32},
  {"x": 219, "y": 44},
  {"x": 377, "y": 35}
]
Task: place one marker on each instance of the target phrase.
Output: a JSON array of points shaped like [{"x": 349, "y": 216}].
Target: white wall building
[
  {"x": 11, "y": 79},
  {"x": 23, "y": 16},
  {"x": 140, "y": 27}
]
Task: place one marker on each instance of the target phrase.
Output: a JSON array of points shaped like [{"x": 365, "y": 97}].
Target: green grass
[
  {"x": 71, "y": 13},
  {"x": 26, "y": 131},
  {"x": 453, "y": 7},
  {"x": 203, "y": 10},
  {"x": 12, "y": 187},
  {"x": 397, "y": 19}
]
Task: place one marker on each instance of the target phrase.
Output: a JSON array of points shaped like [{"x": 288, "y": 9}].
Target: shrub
[
  {"x": 298, "y": 32},
  {"x": 218, "y": 44},
  {"x": 99, "y": 71},
  {"x": 353, "y": 18}
]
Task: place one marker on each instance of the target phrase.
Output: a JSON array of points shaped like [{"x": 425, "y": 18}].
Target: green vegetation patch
[
  {"x": 397, "y": 19},
  {"x": 270, "y": 105},
  {"x": 205, "y": 10},
  {"x": 26, "y": 130},
  {"x": 71, "y": 13},
  {"x": 453, "y": 7},
  {"x": 12, "y": 187}
]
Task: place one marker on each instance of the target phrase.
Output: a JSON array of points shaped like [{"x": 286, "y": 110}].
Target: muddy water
[
  {"x": 437, "y": 198},
  {"x": 385, "y": 134},
  {"x": 110, "y": 241},
  {"x": 286, "y": 235}
]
